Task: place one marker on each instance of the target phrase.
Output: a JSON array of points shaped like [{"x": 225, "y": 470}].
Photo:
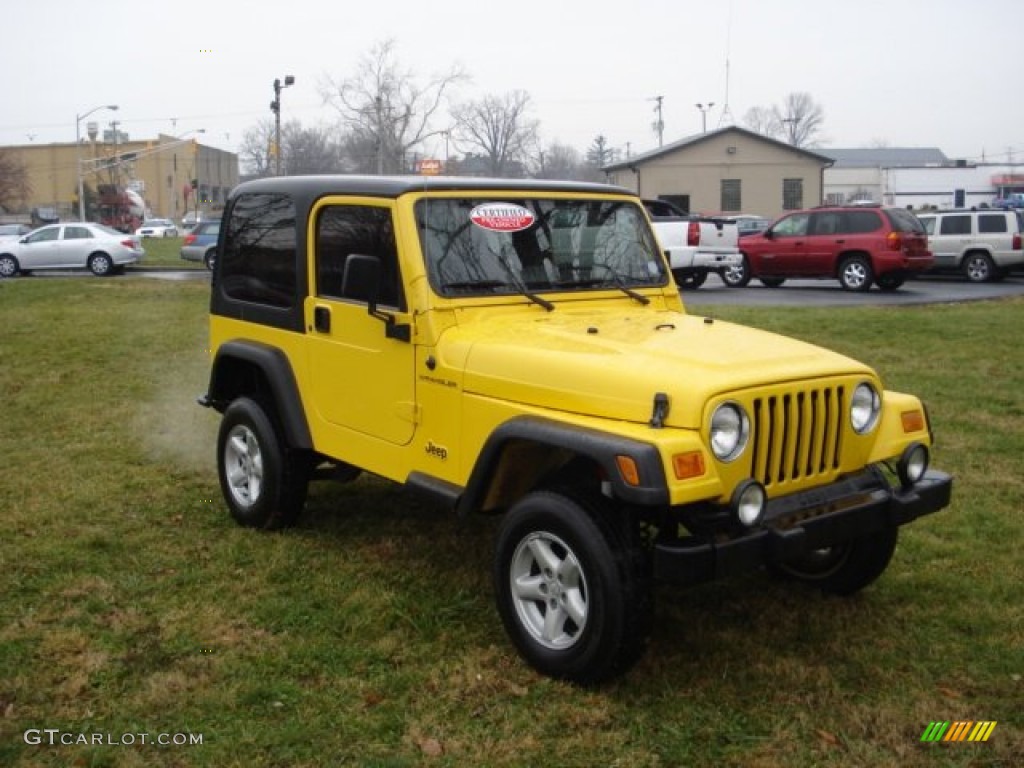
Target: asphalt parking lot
[{"x": 824, "y": 293}]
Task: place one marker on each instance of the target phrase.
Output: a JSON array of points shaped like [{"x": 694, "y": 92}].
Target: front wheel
[
  {"x": 689, "y": 280},
  {"x": 855, "y": 274},
  {"x": 570, "y": 592},
  {"x": 889, "y": 282},
  {"x": 263, "y": 483},
  {"x": 844, "y": 569},
  {"x": 8, "y": 266},
  {"x": 738, "y": 276}
]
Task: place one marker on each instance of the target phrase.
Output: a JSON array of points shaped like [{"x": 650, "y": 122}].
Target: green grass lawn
[
  {"x": 166, "y": 252},
  {"x": 130, "y": 603}
]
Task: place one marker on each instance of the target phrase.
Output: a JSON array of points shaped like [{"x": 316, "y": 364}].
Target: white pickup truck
[{"x": 695, "y": 245}]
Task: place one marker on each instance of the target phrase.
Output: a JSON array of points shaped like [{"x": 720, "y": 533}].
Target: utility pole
[
  {"x": 659, "y": 124},
  {"x": 704, "y": 115},
  {"x": 275, "y": 107}
]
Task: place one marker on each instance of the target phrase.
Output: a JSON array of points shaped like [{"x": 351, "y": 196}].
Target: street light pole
[
  {"x": 78, "y": 155},
  {"x": 704, "y": 115},
  {"x": 275, "y": 107}
]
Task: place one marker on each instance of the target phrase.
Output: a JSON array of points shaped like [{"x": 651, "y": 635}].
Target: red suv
[{"x": 857, "y": 245}]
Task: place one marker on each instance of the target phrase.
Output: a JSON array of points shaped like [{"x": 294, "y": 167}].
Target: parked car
[
  {"x": 190, "y": 219},
  {"x": 1012, "y": 200},
  {"x": 695, "y": 245},
  {"x": 157, "y": 228},
  {"x": 984, "y": 245},
  {"x": 13, "y": 231},
  {"x": 79, "y": 245},
  {"x": 859, "y": 246},
  {"x": 749, "y": 225},
  {"x": 201, "y": 243}
]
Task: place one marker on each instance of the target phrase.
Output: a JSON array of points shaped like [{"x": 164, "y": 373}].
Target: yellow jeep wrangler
[{"x": 519, "y": 347}]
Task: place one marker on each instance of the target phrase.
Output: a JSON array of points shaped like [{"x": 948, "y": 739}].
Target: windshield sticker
[{"x": 501, "y": 217}]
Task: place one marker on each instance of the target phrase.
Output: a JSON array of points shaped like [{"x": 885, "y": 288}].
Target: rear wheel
[
  {"x": 855, "y": 274},
  {"x": 210, "y": 259},
  {"x": 263, "y": 483},
  {"x": 100, "y": 264},
  {"x": 738, "y": 276},
  {"x": 978, "y": 267},
  {"x": 571, "y": 593},
  {"x": 844, "y": 569},
  {"x": 772, "y": 282}
]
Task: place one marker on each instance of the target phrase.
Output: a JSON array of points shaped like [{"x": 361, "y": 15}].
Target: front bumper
[{"x": 797, "y": 524}]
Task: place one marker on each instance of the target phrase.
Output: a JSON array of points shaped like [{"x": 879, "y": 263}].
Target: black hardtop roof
[{"x": 394, "y": 186}]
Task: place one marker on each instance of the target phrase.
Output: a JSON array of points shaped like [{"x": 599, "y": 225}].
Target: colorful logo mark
[{"x": 959, "y": 730}]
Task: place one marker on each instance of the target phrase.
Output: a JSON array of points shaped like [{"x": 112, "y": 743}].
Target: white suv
[{"x": 983, "y": 244}]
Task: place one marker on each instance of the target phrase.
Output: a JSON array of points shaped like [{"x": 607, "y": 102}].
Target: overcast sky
[{"x": 935, "y": 73}]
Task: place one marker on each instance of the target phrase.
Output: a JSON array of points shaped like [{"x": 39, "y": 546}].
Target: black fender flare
[
  {"x": 601, "y": 447},
  {"x": 280, "y": 379}
]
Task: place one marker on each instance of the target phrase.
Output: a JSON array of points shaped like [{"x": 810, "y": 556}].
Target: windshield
[{"x": 485, "y": 246}]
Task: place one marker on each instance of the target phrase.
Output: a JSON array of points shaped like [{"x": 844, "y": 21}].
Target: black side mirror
[{"x": 361, "y": 282}]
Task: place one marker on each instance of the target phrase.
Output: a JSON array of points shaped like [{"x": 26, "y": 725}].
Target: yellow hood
[{"x": 610, "y": 363}]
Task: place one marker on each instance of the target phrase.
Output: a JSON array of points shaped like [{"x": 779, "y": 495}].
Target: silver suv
[{"x": 983, "y": 244}]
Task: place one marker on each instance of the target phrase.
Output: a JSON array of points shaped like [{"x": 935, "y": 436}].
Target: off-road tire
[
  {"x": 844, "y": 569},
  {"x": 263, "y": 483},
  {"x": 586, "y": 615}
]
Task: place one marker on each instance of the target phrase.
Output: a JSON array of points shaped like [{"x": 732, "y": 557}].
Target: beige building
[
  {"x": 730, "y": 170},
  {"x": 159, "y": 170}
]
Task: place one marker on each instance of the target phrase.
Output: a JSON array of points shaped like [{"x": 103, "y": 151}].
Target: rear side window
[
  {"x": 258, "y": 264},
  {"x": 989, "y": 223},
  {"x": 858, "y": 222},
  {"x": 955, "y": 225},
  {"x": 904, "y": 221}
]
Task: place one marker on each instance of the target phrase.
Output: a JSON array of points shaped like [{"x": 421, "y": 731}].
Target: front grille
[{"x": 796, "y": 435}]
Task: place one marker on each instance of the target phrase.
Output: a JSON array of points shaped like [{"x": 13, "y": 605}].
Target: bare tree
[
  {"x": 797, "y": 121},
  {"x": 801, "y": 118},
  {"x": 499, "y": 128},
  {"x": 303, "y": 150},
  {"x": 559, "y": 161},
  {"x": 385, "y": 106},
  {"x": 15, "y": 186}
]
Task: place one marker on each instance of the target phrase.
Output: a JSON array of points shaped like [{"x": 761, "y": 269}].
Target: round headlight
[
  {"x": 912, "y": 465},
  {"x": 864, "y": 408},
  {"x": 730, "y": 430},
  {"x": 748, "y": 502}
]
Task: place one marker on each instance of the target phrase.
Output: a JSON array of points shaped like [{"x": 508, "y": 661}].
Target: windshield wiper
[
  {"x": 520, "y": 286},
  {"x": 616, "y": 278}
]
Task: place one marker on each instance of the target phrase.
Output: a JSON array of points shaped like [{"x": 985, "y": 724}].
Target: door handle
[{"x": 322, "y": 319}]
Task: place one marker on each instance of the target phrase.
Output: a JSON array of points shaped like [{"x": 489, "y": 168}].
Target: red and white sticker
[{"x": 501, "y": 217}]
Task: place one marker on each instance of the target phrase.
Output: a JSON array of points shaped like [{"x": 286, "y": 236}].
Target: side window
[
  {"x": 259, "y": 260},
  {"x": 929, "y": 224},
  {"x": 990, "y": 223},
  {"x": 859, "y": 222},
  {"x": 792, "y": 226},
  {"x": 76, "y": 233},
  {"x": 342, "y": 230},
  {"x": 826, "y": 223},
  {"x": 792, "y": 194},
  {"x": 955, "y": 225},
  {"x": 44, "y": 235}
]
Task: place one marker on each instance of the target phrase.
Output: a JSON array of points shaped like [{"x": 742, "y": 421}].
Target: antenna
[
  {"x": 726, "y": 117},
  {"x": 659, "y": 124}
]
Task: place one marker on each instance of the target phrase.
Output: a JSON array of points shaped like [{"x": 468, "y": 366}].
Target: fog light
[
  {"x": 748, "y": 502},
  {"x": 913, "y": 464}
]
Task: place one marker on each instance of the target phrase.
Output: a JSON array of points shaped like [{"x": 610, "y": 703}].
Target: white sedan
[
  {"x": 98, "y": 248},
  {"x": 157, "y": 228}
]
